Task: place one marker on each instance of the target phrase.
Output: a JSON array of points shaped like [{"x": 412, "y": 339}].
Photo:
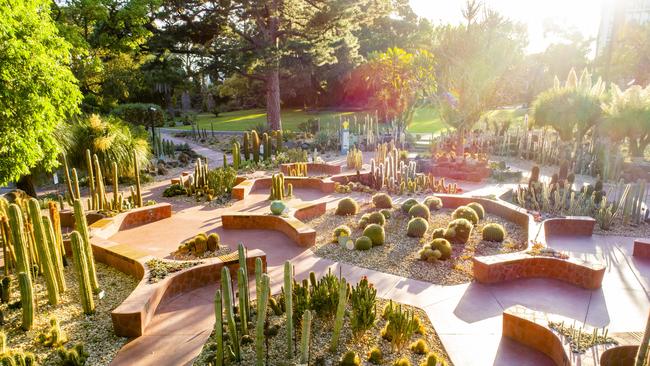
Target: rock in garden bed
[
  {"x": 94, "y": 331},
  {"x": 399, "y": 254}
]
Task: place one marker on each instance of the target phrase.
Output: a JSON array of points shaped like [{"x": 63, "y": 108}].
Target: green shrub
[
  {"x": 363, "y": 243},
  {"x": 493, "y": 232},
  {"x": 382, "y": 200},
  {"x": 443, "y": 246},
  {"x": 464, "y": 212},
  {"x": 417, "y": 227},
  {"x": 213, "y": 241},
  {"x": 478, "y": 208},
  {"x": 406, "y": 206},
  {"x": 342, "y": 229},
  {"x": 174, "y": 190},
  {"x": 458, "y": 231},
  {"x": 419, "y": 347},
  {"x": 324, "y": 294},
  {"x": 419, "y": 210},
  {"x": 277, "y": 207},
  {"x": 386, "y": 212},
  {"x": 140, "y": 114},
  {"x": 363, "y": 301},
  {"x": 374, "y": 356},
  {"x": 433, "y": 202},
  {"x": 350, "y": 358},
  {"x": 347, "y": 206},
  {"x": 376, "y": 218},
  {"x": 438, "y": 233},
  {"x": 376, "y": 234}
]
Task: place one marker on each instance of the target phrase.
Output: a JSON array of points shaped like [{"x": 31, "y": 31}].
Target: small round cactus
[
  {"x": 363, "y": 243},
  {"x": 376, "y": 234},
  {"x": 417, "y": 227},
  {"x": 438, "y": 233},
  {"x": 419, "y": 210},
  {"x": 464, "y": 212},
  {"x": 340, "y": 230},
  {"x": 386, "y": 212},
  {"x": 493, "y": 232},
  {"x": 377, "y": 218},
  {"x": 419, "y": 347},
  {"x": 374, "y": 356},
  {"x": 213, "y": 242},
  {"x": 382, "y": 200},
  {"x": 478, "y": 208},
  {"x": 458, "y": 231},
  {"x": 443, "y": 247},
  {"x": 406, "y": 206},
  {"x": 350, "y": 358},
  {"x": 277, "y": 207},
  {"x": 428, "y": 254},
  {"x": 433, "y": 202},
  {"x": 200, "y": 244},
  {"x": 347, "y": 206},
  {"x": 363, "y": 221}
]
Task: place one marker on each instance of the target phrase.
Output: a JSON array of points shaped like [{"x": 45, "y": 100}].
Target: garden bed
[
  {"x": 321, "y": 333},
  {"x": 399, "y": 255},
  {"x": 94, "y": 331}
]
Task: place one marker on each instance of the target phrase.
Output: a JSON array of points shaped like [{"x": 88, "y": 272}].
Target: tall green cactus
[
  {"x": 218, "y": 327},
  {"x": 304, "y": 337},
  {"x": 288, "y": 300},
  {"x": 116, "y": 189},
  {"x": 277, "y": 187},
  {"x": 278, "y": 141},
  {"x": 267, "y": 146},
  {"x": 75, "y": 182},
  {"x": 236, "y": 155},
  {"x": 55, "y": 253},
  {"x": 26, "y": 299},
  {"x": 83, "y": 271},
  {"x": 241, "y": 254},
  {"x": 68, "y": 182},
  {"x": 243, "y": 305},
  {"x": 256, "y": 146},
  {"x": 82, "y": 227},
  {"x": 246, "y": 143},
  {"x": 100, "y": 191},
  {"x": 91, "y": 179},
  {"x": 44, "y": 254},
  {"x": 340, "y": 314},
  {"x": 226, "y": 287},
  {"x": 258, "y": 273},
  {"x": 19, "y": 240},
  {"x": 262, "y": 304},
  {"x": 138, "y": 199}
]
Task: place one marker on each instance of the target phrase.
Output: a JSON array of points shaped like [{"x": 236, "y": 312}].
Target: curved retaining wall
[
  {"x": 641, "y": 248},
  {"x": 569, "y": 226},
  {"x": 619, "y": 356},
  {"x": 245, "y": 187}
]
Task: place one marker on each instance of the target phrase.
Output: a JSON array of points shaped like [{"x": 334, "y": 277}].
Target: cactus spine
[
  {"x": 83, "y": 271},
  {"x": 226, "y": 287},
  {"x": 41, "y": 243},
  {"x": 340, "y": 314},
  {"x": 262, "y": 303},
  {"x": 138, "y": 199},
  {"x": 288, "y": 300},
  {"x": 82, "y": 228},
  {"x": 304, "y": 337},
  {"x": 26, "y": 299},
  {"x": 18, "y": 238},
  {"x": 246, "y": 143},
  {"x": 256, "y": 146},
  {"x": 55, "y": 253},
  {"x": 218, "y": 327}
]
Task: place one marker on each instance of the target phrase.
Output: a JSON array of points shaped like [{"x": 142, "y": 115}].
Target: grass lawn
[{"x": 425, "y": 120}]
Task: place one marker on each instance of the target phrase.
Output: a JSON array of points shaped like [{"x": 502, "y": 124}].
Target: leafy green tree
[
  {"x": 630, "y": 55},
  {"x": 37, "y": 90},
  {"x": 475, "y": 60},
  {"x": 627, "y": 115}
]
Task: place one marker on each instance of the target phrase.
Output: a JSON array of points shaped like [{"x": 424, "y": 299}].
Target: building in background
[{"x": 615, "y": 14}]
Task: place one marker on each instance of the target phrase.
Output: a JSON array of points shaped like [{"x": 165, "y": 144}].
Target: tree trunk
[
  {"x": 460, "y": 144},
  {"x": 273, "y": 100},
  {"x": 26, "y": 184}
]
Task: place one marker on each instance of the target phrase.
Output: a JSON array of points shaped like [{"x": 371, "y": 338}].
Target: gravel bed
[
  {"x": 399, "y": 255},
  {"x": 618, "y": 229},
  {"x": 94, "y": 331},
  {"x": 320, "y": 339}
]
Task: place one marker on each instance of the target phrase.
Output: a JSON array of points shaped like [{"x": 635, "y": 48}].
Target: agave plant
[
  {"x": 108, "y": 137},
  {"x": 627, "y": 115}
]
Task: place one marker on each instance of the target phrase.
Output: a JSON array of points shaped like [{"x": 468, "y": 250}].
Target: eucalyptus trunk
[{"x": 273, "y": 117}]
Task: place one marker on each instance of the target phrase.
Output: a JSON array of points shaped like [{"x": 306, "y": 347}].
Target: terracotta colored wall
[
  {"x": 327, "y": 169},
  {"x": 641, "y": 248},
  {"x": 569, "y": 226},
  {"x": 291, "y": 227},
  {"x": 619, "y": 356},
  {"x": 144, "y": 215}
]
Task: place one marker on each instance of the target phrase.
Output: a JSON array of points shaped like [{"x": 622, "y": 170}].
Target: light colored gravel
[
  {"x": 399, "y": 254},
  {"x": 321, "y": 337},
  {"x": 618, "y": 229},
  {"x": 94, "y": 331}
]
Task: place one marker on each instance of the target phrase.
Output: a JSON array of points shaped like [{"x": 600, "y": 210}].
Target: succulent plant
[
  {"x": 376, "y": 218},
  {"x": 386, "y": 212},
  {"x": 341, "y": 230},
  {"x": 438, "y": 233},
  {"x": 213, "y": 241},
  {"x": 443, "y": 246},
  {"x": 419, "y": 210},
  {"x": 375, "y": 356},
  {"x": 417, "y": 227},
  {"x": 419, "y": 347},
  {"x": 406, "y": 206},
  {"x": 382, "y": 200},
  {"x": 428, "y": 254},
  {"x": 375, "y": 233},
  {"x": 464, "y": 212},
  {"x": 347, "y": 206},
  {"x": 478, "y": 208},
  {"x": 277, "y": 207},
  {"x": 433, "y": 202},
  {"x": 350, "y": 358},
  {"x": 433, "y": 360},
  {"x": 363, "y": 243},
  {"x": 458, "y": 231},
  {"x": 493, "y": 232}
]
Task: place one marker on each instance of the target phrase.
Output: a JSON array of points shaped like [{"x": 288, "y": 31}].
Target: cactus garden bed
[
  {"x": 399, "y": 254},
  {"x": 95, "y": 331}
]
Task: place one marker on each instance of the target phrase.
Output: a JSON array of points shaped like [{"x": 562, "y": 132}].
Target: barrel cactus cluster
[
  {"x": 200, "y": 244},
  {"x": 347, "y": 206}
]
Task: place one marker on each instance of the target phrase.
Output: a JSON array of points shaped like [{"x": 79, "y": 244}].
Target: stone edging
[
  {"x": 245, "y": 186},
  {"x": 290, "y": 225}
]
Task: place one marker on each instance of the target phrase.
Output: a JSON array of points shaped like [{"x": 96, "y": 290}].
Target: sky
[{"x": 584, "y": 15}]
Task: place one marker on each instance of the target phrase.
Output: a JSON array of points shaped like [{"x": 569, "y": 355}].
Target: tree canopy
[
  {"x": 627, "y": 115},
  {"x": 37, "y": 89}
]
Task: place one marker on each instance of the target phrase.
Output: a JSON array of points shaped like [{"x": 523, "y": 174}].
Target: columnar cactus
[
  {"x": 267, "y": 146},
  {"x": 277, "y": 187},
  {"x": 218, "y": 327},
  {"x": 91, "y": 178},
  {"x": 68, "y": 182},
  {"x": 99, "y": 182},
  {"x": 243, "y": 305},
  {"x": 278, "y": 140},
  {"x": 288, "y": 300},
  {"x": 247, "y": 152},
  {"x": 241, "y": 253},
  {"x": 75, "y": 182},
  {"x": 262, "y": 303},
  {"x": 117, "y": 202},
  {"x": 236, "y": 156},
  {"x": 18, "y": 239},
  {"x": 226, "y": 287},
  {"x": 26, "y": 299},
  {"x": 41, "y": 243},
  {"x": 82, "y": 227},
  {"x": 340, "y": 314},
  {"x": 55, "y": 253},
  {"x": 82, "y": 268},
  {"x": 138, "y": 199},
  {"x": 304, "y": 337},
  {"x": 256, "y": 146},
  {"x": 56, "y": 224}
]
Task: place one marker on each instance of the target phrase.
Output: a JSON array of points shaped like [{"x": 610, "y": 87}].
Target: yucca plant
[{"x": 627, "y": 115}]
